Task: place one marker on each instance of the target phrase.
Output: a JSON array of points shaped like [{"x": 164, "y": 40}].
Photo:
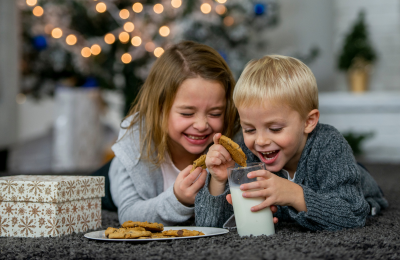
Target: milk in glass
[{"x": 248, "y": 222}]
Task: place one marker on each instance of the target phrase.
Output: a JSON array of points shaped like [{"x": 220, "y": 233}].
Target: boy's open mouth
[{"x": 269, "y": 155}]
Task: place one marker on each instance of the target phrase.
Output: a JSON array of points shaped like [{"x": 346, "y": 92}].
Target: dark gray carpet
[{"x": 379, "y": 239}]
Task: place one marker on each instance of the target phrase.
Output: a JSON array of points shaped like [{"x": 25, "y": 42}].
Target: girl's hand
[
  {"x": 188, "y": 184},
  {"x": 217, "y": 161},
  {"x": 274, "y": 209},
  {"x": 275, "y": 190}
]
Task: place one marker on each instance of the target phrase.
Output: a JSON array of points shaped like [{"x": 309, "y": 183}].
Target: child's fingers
[
  {"x": 184, "y": 173},
  {"x": 260, "y": 173},
  {"x": 255, "y": 194},
  {"x": 191, "y": 177},
  {"x": 261, "y": 206},
  {"x": 229, "y": 198},
  {"x": 216, "y": 138},
  {"x": 199, "y": 182},
  {"x": 274, "y": 209},
  {"x": 275, "y": 220}
]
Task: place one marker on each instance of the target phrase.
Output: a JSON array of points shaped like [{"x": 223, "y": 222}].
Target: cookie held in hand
[
  {"x": 200, "y": 162},
  {"x": 234, "y": 149}
]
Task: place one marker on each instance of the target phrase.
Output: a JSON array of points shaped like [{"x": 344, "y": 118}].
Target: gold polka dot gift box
[{"x": 48, "y": 206}]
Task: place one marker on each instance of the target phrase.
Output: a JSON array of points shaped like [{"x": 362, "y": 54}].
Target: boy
[{"x": 312, "y": 176}]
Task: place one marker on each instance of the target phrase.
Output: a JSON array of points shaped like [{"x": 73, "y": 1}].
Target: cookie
[
  {"x": 109, "y": 231},
  {"x": 149, "y": 226},
  {"x": 200, "y": 162},
  {"x": 137, "y": 234},
  {"x": 234, "y": 149},
  {"x": 182, "y": 233}
]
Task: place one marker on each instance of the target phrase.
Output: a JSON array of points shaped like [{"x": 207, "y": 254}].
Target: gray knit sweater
[{"x": 338, "y": 192}]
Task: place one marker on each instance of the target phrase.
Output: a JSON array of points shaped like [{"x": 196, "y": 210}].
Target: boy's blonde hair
[
  {"x": 278, "y": 79},
  {"x": 152, "y": 106}
]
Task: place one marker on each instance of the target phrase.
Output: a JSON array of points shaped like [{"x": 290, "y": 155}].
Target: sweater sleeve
[
  {"x": 164, "y": 208},
  {"x": 212, "y": 211},
  {"x": 333, "y": 196}
]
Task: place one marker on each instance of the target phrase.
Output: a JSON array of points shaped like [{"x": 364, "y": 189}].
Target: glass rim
[{"x": 249, "y": 165}]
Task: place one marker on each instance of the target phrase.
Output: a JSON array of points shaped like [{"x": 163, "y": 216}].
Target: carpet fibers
[{"x": 379, "y": 239}]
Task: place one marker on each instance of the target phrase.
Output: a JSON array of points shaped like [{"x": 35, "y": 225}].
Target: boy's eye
[{"x": 275, "y": 129}]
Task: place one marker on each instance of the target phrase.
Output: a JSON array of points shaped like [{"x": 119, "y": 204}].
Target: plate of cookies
[{"x": 151, "y": 231}]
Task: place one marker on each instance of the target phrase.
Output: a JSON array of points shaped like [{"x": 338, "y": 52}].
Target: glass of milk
[{"x": 248, "y": 222}]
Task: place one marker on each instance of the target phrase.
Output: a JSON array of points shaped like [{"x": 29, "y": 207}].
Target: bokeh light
[
  {"x": 164, "y": 31},
  {"x": 126, "y": 58},
  {"x": 124, "y": 37},
  {"x": 95, "y": 49},
  {"x": 228, "y": 21},
  {"x": 158, "y": 52},
  {"x": 176, "y": 3},
  {"x": 56, "y": 33},
  {"x": 129, "y": 27},
  {"x": 101, "y": 7},
  {"x": 37, "y": 11},
  {"x": 158, "y": 8},
  {"x": 109, "y": 38},
  {"x": 220, "y": 9},
  {"x": 136, "y": 41},
  {"x": 205, "y": 8},
  {"x": 221, "y": 1},
  {"x": 150, "y": 46},
  {"x": 71, "y": 39},
  {"x": 86, "y": 52},
  {"x": 31, "y": 2},
  {"x": 137, "y": 7},
  {"x": 124, "y": 14}
]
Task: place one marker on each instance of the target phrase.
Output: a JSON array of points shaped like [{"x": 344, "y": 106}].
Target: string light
[
  {"x": 205, "y": 8},
  {"x": 126, "y": 58},
  {"x": 158, "y": 8},
  {"x": 20, "y": 98},
  {"x": 220, "y": 9},
  {"x": 228, "y": 21},
  {"x": 124, "y": 14},
  {"x": 109, "y": 38},
  {"x": 164, "y": 31},
  {"x": 137, "y": 7},
  {"x": 124, "y": 37},
  {"x": 150, "y": 46},
  {"x": 31, "y": 2},
  {"x": 37, "y": 11},
  {"x": 86, "y": 52},
  {"x": 221, "y": 1},
  {"x": 129, "y": 27},
  {"x": 158, "y": 52},
  {"x": 71, "y": 39},
  {"x": 56, "y": 33},
  {"x": 101, "y": 7},
  {"x": 95, "y": 49},
  {"x": 136, "y": 41},
  {"x": 176, "y": 3}
]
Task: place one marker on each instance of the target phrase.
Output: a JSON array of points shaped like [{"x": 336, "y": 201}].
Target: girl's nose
[{"x": 201, "y": 124}]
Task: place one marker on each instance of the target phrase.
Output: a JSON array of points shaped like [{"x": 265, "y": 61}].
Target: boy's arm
[
  {"x": 333, "y": 194},
  {"x": 212, "y": 211}
]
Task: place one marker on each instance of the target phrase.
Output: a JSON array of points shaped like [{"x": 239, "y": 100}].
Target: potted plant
[{"x": 357, "y": 55}]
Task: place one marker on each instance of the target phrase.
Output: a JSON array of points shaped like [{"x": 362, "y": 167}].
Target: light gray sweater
[
  {"x": 338, "y": 192},
  {"x": 137, "y": 186}
]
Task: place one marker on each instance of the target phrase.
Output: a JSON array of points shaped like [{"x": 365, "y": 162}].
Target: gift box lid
[{"x": 50, "y": 188}]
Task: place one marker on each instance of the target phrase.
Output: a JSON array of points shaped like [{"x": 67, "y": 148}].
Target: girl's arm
[
  {"x": 212, "y": 211},
  {"x": 162, "y": 208}
]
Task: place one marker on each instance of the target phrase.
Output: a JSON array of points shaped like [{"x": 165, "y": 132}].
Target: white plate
[{"x": 208, "y": 231}]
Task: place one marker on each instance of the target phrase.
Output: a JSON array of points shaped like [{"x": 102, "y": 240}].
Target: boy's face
[{"x": 275, "y": 133}]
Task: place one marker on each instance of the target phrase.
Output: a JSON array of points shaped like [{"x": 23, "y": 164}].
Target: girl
[{"x": 186, "y": 99}]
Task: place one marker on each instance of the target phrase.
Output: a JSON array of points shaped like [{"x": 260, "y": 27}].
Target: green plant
[
  {"x": 356, "y": 140},
  {"x": 357, "y": 45}
]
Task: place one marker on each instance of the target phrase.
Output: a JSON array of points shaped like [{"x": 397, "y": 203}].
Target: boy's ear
[{"x": 311, "y": 121}]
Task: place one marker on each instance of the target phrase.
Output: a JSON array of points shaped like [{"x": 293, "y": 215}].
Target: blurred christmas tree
[{"x": 112, "y": 44}]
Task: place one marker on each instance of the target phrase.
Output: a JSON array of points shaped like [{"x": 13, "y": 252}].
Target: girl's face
[{"x": 196, "y": 115}]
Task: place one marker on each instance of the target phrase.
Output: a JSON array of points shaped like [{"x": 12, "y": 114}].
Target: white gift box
[{"x": 44, "y": 206}]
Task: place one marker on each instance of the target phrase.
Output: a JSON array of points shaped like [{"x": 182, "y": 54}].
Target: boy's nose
[{"x": 262, "y": 140}]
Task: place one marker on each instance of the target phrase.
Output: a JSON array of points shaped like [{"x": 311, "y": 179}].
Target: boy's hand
[
  {"x": 274, "y": 209},
  {"x": 275, "y": 190},
  {"x": 217, "y": 161},
  {"x": 188, "y": 184}
]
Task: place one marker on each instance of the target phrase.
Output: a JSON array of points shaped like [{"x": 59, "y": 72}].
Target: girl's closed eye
[
  {"x": 249, "y": 130},
  {"x": 187, "y": 114}
]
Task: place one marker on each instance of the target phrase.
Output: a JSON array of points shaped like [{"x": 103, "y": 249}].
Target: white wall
[{"x": 8, "y": 72}]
